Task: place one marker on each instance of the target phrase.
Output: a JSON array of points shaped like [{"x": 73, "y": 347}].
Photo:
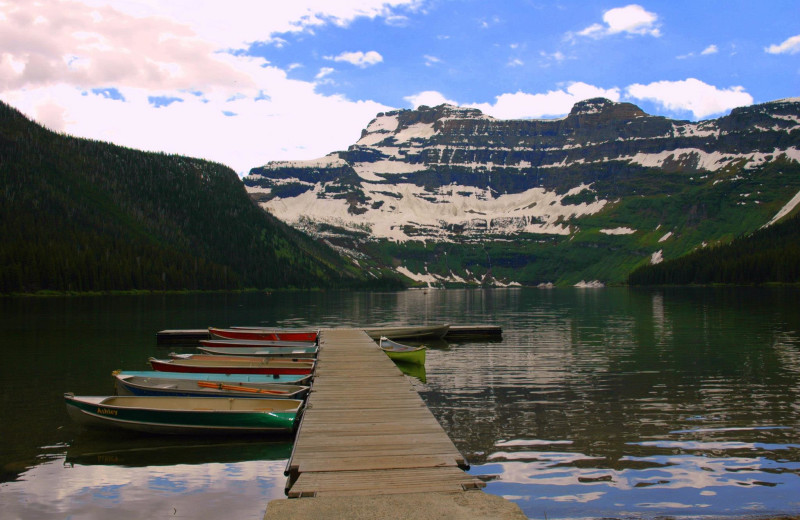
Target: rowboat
[
  {"x": 179, "y": 387},
  {"x": 403, "y": 353},
  {"x": 241, "y": 343},
  {"x": 185, "y": 415},
  {"x": 264, "y": 334},
  {"x": 428, "y": 331},
  {"x": 279, "y": 352},
  {"x": 275, "y": 379},
  {"x": 240, "y": 365}
]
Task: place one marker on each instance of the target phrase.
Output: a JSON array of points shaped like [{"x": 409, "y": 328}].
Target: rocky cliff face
[{"x": 607, "y": 176}]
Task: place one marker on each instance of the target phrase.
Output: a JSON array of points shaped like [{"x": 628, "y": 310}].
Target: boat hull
[
  {"x": 230, "y": 367},
  {"x": 263, "y": 334},
  {"x": 279, "y": 352},
  {"x": 177, "y": 387},
  {"x": 416, "y": 357},
  {"x": 185, "y": 415},
  {"x": 432, "y": 331},
  {"x": 403, "y": 353},
  {"x": 283, "y": 379},
  {"x": 240, "y": 343}
]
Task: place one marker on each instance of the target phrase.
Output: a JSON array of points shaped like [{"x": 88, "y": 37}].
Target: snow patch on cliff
[
  {"x": 411, "y": 212},
  {"x": 618, "y": 231},
  {"x": 785, "y": 210}
]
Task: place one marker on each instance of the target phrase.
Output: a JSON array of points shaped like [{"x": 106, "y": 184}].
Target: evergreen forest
[
  {"x": 78, "y": 215},
  {"x": 769, "y": 255}
]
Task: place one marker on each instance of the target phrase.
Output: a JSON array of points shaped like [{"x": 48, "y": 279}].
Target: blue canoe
[{"x": 288, "y": 379}]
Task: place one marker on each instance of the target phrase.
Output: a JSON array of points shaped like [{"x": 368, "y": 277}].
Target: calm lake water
[{"x": 596, "y": 403}]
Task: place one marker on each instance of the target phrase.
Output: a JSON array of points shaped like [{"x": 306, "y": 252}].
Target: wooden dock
[{"x": 366, "y": 431}]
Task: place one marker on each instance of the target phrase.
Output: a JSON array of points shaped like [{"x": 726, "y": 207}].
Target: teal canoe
[
  {"x": 185, "y": 415},
  {"x": 283, "y": 379}
]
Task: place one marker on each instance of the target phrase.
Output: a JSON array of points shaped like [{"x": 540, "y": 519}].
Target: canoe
[
  {"x": 428, "y": 331},
  {"x": 264, "y": 334},
  {"x": 275, "y": 379},
  {"x": 279, "y": 352},
  {"x": 241, "y": 343},
  {"x": 240, "y": 365},
  {"x": 180, "y": 387},
  {"x": 235, "y": 358},
  {"x": 185, "y": 415},
  {"x": 403, "y": 353}
]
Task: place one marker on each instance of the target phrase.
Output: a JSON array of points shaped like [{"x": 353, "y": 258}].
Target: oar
[{"x": 221, "y": 386}]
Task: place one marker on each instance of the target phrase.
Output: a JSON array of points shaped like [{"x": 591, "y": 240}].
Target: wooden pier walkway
[
  {"x": 368, "y": 447},
  {"x": 366, "y": 431}
]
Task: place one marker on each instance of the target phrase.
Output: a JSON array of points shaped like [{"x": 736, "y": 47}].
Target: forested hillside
[
  {"x": 80, "y": 215},
  {"x": 768, "y": 255}
]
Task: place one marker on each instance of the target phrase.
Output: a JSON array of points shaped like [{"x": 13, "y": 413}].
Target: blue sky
[{"x": 244, "y": 82}]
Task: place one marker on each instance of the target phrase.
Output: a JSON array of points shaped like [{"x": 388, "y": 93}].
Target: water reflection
[
  {"x": 684, "y": 403},
  {"x": 596, "y": 403},
  {"x": 55, "y": 489},
  {"x": 98, "y": 448}
]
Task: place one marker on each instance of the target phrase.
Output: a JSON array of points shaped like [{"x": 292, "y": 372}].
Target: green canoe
[{"x": 185, "y": 415}]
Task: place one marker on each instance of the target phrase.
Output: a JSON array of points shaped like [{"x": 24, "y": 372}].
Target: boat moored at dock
[
  {"x": 183, "y": 387},
  {"x": 276, "y": 379},
  {"x": 403, "y": 353},
  {"x": 279, "y": 352},
  {"x": 239, "y": 365},
  {"x": 410, "y": 332},
  {"x": 185, "y": 415},
  {"x": 264, "y": 334}
]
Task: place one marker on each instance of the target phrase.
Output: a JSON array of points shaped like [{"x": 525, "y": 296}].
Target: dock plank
[{"x": 371, "y": 434}]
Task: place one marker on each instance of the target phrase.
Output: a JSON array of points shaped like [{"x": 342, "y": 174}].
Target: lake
[{"x": 608, "y": 402}]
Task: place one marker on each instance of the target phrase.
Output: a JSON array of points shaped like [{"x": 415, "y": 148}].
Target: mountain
[
  {"x": 447, "y": 195},
  {"x": 80, "y": 215}
]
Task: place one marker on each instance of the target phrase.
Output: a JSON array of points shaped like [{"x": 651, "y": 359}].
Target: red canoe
[
  {"x": 264, "y": 334},
  {"x": 240, "y": 365},
  {"x": 239, "y": 343}
]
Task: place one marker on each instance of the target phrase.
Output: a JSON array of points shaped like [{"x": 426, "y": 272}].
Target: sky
[{"x": 245, "y": 82}]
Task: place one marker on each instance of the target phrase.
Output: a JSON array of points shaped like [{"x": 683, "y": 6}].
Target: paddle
[{"x": 222, "y": 386}]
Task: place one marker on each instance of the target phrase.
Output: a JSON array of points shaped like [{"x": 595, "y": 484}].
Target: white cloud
[
  {"x": 711, "y": 49},
  {"x": 631, "y": 19},
  {"x": 429, "y": 98},
  {"x": 691, "y": 95},
  {"x": 234, "y": 24},
  {"x": 237, "y": 110},
  {"x": 557, "y": 56},
  {"x": 553, "y": 103},
  {"x": 359, "y": 59},
  {"x": 431, "y": 60},
  {"x": 789, "y": 46},
  {"x": 324, "y": 71}
]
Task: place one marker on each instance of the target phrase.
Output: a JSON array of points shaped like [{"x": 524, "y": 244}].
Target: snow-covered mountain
[{"x": 422, "y": 183}]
